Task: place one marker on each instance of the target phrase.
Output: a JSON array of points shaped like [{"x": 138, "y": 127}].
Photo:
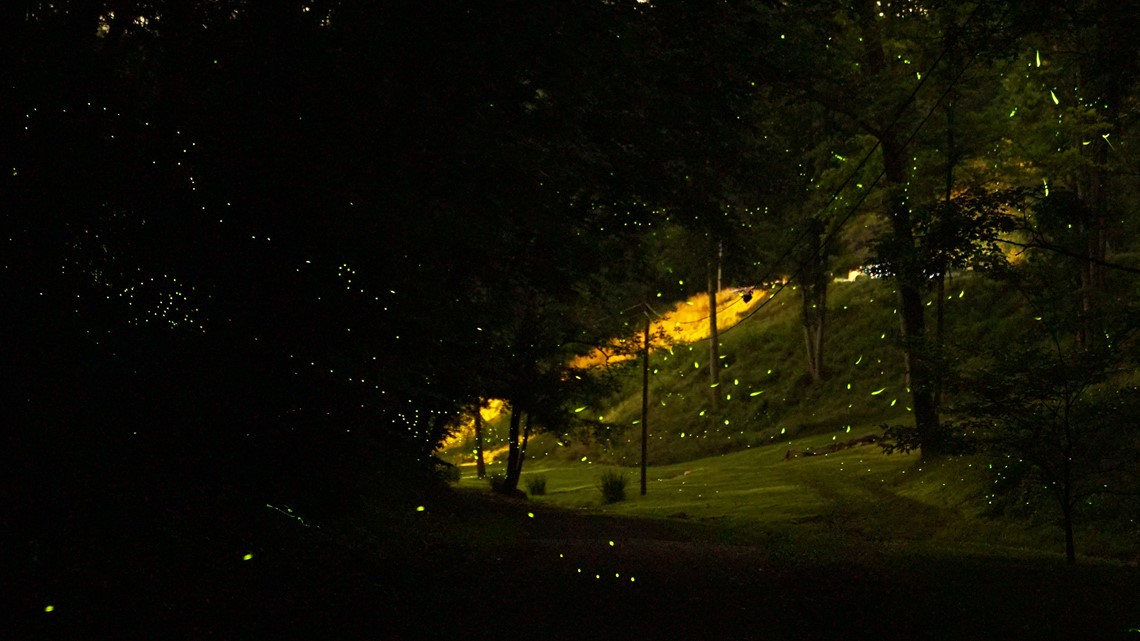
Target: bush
[
  {"x": 612, "y": 485},
  {"x": 536, "y": 485},
  {"x": 446, "y": 471}
]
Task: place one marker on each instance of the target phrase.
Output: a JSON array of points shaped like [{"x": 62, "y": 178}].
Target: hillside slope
[{"x": 767, "y": 396}]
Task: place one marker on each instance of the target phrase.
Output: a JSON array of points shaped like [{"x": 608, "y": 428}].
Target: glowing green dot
[
  {"x": 419, "y": 508},
  {"x": 530, "y": 514},
  {"x": 49, "y": 608},
  {"x": 247, "y": 557},
  {"x": 611, "y": 544}
]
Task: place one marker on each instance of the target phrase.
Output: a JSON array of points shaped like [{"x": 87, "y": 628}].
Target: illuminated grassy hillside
[{"x": 767, "y": 396}]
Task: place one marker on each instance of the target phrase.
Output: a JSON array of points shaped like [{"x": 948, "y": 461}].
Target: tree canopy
[{"x": 306, "y": 230}]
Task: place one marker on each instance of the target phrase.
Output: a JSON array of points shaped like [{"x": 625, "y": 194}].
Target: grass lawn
[
  {"x": 854, "y": 544},
  {"x": 858, "y": 494}
]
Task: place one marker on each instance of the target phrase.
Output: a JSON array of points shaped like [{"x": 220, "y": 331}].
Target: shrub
[
  {"x": 446, "y": 471},
  {"x": 536, "y": 485},
  {"x": 612, "y": 484}
]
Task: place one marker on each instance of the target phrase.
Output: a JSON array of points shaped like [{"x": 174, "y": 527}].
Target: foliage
[
  {"x": 287, "y": 243},
  {"x": 446, "y": 471},
  {"x": 612, "y": 486},
  {"x": 536, "y": 485},
  {"x": 948, "y": 440},
  {"x": 1057, "y": 414},
  {"x": 965, "y": 232},
  {"x": 496, "y": 481}
]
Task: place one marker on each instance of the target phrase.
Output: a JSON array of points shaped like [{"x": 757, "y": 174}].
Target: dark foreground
[{"x": 472, "y": 567}]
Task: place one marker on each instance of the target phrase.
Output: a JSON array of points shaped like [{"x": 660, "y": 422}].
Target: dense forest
[{"x": 279, "y": 253}]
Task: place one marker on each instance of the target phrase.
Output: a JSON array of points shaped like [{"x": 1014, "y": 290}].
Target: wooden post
[{"x": 644, "y": 403}]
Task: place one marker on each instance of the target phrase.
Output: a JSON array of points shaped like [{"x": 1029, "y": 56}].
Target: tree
[
  {"x": 867, "y": 63},
  {"x": 1064, "y": 75},
  {"x": 1047, "y": 408},
  {"x": 814, "y": 277},
  {"x": 480, "y": 464},
  {"x": 315, "y": 196},
  {"x": 1057, "y": 413},
  {"x": 712, "y": 151}
]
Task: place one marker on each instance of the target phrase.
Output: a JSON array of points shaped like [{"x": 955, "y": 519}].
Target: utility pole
[
  {"x": 714, "y": 335},
  {"x": 644, "y": 402}
]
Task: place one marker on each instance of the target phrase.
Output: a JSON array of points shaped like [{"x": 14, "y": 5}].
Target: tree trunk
[
  {"x": 939, "y": 338},
  {"x": 813, "y": 322},
  {"x": 522, "y": 450},
  {"x": 1065, "y": 498},
  {"x": 1092, "y": 192},
  {"x": 814, "y": 298},
  {"x": 714, "y": 341},
  {"x": 511, "y": 482},
  {"x": 1066, "y": 489},
  {"x": 940, "y": 302},
  {"x": 480, "y": 465},
  {"x": 1070, "y": 545},
  {"x": 912, "y": 314},
  {"x": 644, "y": 405}
]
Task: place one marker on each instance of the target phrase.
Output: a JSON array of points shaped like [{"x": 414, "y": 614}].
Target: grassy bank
[
  {"x": 765, "y": 394},
  {"x": 855, "y": 499}
]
